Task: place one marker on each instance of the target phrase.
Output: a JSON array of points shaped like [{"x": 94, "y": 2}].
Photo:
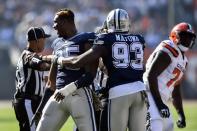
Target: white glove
[{"x": 60, "y": 94}]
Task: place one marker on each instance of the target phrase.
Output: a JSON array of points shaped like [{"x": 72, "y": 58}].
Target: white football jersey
[{"x": 173, "y": 73}]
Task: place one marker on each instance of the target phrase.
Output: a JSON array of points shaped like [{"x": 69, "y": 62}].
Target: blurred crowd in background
[{"x": 151, "y": 18}]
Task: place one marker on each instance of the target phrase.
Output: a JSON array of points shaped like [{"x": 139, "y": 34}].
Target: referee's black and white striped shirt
[{"x": 29, "y": 80}]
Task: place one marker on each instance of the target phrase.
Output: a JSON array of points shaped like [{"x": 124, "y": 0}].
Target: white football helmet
[{"x": 118, "y": 21}]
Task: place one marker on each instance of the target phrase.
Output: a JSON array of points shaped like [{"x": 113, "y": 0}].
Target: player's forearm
[
  {"x": 153, "y": 85},
  {"x": 177, "y": 101},
  {"x": 51, "y": 83},
  {"x": 47, "y": 58},
  {"x": 71, "y": 62},
  {"x": 79, "y": 61}
]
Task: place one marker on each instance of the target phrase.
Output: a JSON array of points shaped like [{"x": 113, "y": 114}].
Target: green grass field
[{"x": 8, "y": 121}]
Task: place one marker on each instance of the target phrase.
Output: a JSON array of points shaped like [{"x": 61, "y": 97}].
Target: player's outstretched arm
[
  {"x": 177, "y": 102},
  {"x": 80, "y": 61},
  {"x": 160, "y": 62}
]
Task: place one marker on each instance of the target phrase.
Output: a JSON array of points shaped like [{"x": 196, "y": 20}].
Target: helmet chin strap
[{"x": 183, "y": 48}]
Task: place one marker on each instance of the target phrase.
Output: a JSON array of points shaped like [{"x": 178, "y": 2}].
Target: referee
[{"x": 29, "y": 78}]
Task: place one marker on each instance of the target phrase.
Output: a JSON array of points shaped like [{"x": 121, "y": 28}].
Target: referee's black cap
[{"x": 35, "y": 33}]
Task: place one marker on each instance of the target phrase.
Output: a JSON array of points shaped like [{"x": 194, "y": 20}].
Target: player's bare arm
[
  {"x": 92, "y": 69},
  {"x": 177, "y": 102},
  {"x": 159, "y": 64},
  {"x": 47, "y": 58},
  {"x": 51, "y": 83},
  {"x": 86, "y": 58}
]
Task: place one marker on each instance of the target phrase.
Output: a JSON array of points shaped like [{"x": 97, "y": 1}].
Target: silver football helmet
[{"x": 118, "y": 21}]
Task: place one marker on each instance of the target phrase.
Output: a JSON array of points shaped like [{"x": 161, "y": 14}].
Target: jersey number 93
[{"x": 121, "y": 53}]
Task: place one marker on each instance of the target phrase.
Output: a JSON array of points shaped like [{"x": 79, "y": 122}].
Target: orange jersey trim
[{"x": 172, "y": 50}]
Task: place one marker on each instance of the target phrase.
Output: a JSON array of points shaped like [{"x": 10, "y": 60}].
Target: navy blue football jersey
[
  {"x": 71, "y": 47},
  {"x": 124, "y": 59}
]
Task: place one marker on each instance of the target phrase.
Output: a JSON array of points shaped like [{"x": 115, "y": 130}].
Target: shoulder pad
[
  {"x": 169, "y": 46},
  {"x": 57, "y": 43},
  {"x": 99, "y": 39},
  {"x": 102, "y": 35},
  {"x": 141, "y": 38},
  {"x": 104, "y": 38},
  {"x": 84, "y": 36},
  {"x": 68, "y": 42},
  {"x": 91, "y": 36},
  {"x": 98, "y": 42}
]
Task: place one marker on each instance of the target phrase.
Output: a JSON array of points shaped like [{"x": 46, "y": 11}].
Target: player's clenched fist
[
  {"x": 181, "y": 123},
  {"x": 163, "y": 110}
]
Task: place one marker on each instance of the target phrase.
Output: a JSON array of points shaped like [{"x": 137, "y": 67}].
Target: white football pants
[
  {"x": 127, "y": 112},
  {"x": 78, "y": 105},
  {"x": 157, "y": 122}
]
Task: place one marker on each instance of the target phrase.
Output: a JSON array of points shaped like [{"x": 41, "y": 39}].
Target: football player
[
  {"x": 164, "y": 71},
  {"x": 122, "y": 54},
  {"x": 100, "y": 91},
  {"x": 78, "y": 102}
]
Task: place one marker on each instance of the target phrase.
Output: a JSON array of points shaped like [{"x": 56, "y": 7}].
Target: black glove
[
  {"x": 163, "y": 110},
  {"x": 36, "y": 118},
  {"x": 181, "y": 123}
]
